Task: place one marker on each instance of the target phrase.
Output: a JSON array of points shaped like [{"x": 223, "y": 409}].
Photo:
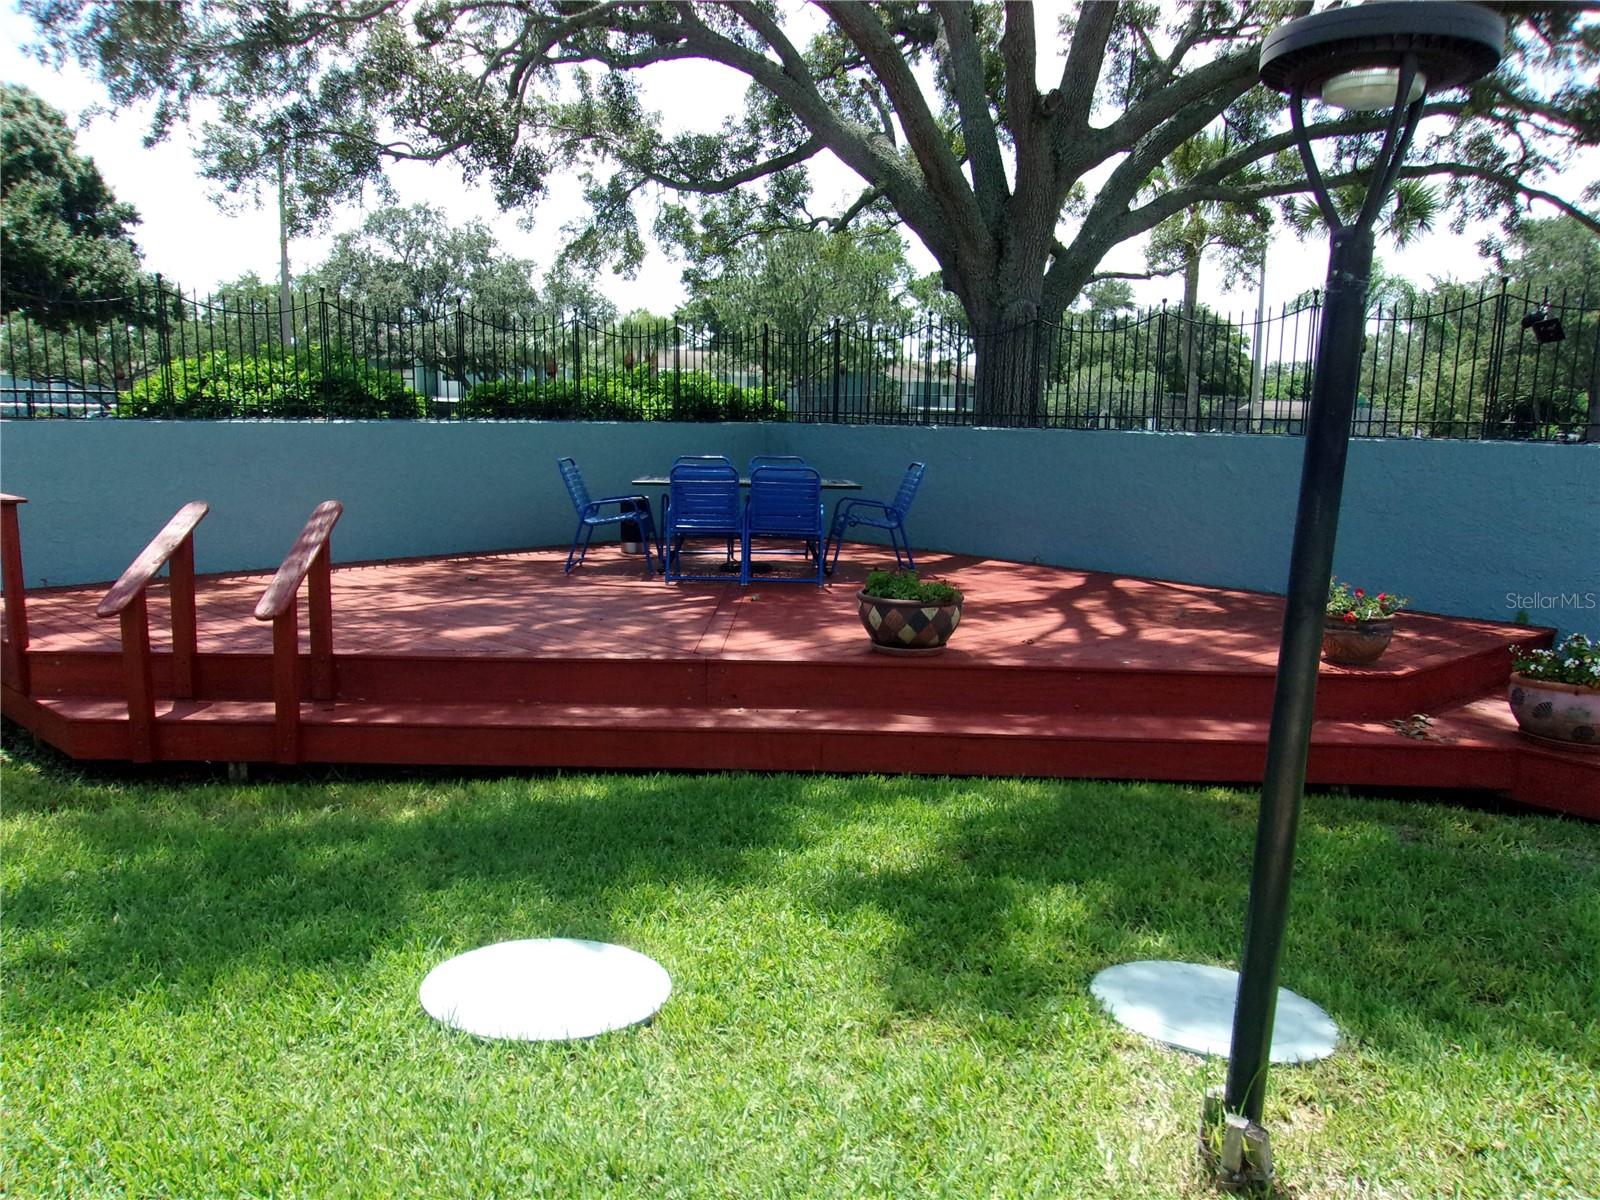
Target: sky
[{"x": 189, "y": 238}]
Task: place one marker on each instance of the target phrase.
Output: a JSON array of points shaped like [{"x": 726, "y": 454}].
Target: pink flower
[{"x": 1360, "y": 593}]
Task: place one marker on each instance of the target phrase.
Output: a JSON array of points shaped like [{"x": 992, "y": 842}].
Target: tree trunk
[
  {"x": 1009, "y": 384},
  {"x": 285, "y": 315},
  {"x": 1183, "y": 409},
  {"x": 1591, "y": 431}
]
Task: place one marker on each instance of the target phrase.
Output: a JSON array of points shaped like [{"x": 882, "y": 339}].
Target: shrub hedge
[
  {"x": 631, "y": 395},
  {"x": 310, "y": 383},
  {"x": 335, "y": 384}
]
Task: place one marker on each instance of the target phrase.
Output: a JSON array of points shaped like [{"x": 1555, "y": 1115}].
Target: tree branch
[
  {"x": 1018, "y": 52},
  {"x": 942, "y": 173},
  {"x": 712, "y": 187},
  {"x": 1081, "y": 73},
  {"x": 965, "y": 66}
]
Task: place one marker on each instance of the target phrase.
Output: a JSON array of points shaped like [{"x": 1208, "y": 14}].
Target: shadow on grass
[{"x": 1411, "y": 924}]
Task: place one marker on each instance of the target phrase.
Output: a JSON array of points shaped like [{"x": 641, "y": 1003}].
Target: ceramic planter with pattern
[
  {"x": 1564, "y": 712},
  {"x": 910, "y": 627}
]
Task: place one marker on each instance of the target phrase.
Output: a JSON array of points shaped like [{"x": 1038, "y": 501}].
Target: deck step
[
  {"x": 1470, "y": 746},
  {"x": 951, "y": 684}
]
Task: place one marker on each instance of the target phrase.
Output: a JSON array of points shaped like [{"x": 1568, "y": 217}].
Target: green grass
[{"x": 880, "y": 988}]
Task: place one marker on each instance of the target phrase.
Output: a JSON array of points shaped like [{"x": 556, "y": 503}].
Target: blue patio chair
[
  {"x": 590, "y": 518},
  {"x": 702, "y": 501},
  {"x": 784, "y": 502},
  {"x": 777, "y": 460},
  {"x": 695, "y": 460},
  {"x": 878, "y": 514}
]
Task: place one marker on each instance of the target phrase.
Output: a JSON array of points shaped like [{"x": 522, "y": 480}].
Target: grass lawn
[{"x": 880, "y": 988}]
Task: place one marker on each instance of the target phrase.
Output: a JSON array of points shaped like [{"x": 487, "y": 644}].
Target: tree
[
  {"x": 411, "y": 264},
  {"x": 447, "y": 296},
  {"x": 1236, "y": 229},
  {"x": 937, "y": 108},
  {"x": 67, "y": 254},
  {"x": 804, "y": 279}
]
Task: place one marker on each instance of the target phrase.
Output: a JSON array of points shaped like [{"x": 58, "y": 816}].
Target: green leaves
[{"x": 66, "y": 246}]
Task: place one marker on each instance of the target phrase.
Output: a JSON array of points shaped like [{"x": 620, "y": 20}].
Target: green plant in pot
[
  {"x": 906, "y": 615},
  {"x": 1358, "y": 626},
  {"x": 1556, "y": 693}
]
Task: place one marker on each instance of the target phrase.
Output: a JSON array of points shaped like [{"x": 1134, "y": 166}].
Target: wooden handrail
[
  {"x": 308, "y": 559},
  {"x": 15, "y": 659},
  {"x": 126, "y": 599}
]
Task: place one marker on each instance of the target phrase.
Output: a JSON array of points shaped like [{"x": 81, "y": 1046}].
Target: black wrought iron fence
[{"x": 1488, "y": 362}]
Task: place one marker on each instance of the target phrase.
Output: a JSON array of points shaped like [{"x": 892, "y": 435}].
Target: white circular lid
[
  {"x": 545, "y": 989},
  {"x": 1191, "y": 1007}
]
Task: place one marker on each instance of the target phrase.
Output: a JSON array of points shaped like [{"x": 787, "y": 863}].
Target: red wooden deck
[{"x": 501, "y": 659}]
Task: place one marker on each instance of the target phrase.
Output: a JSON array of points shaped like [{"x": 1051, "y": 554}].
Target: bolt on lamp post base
[{"x": 1236, "y": 1151}]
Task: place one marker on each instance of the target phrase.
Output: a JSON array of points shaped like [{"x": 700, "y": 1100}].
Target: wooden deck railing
[
  {"x": 15, "y": 664},
  {"x": 126, "y": 599},
  {"x": 309, "y": 559}
]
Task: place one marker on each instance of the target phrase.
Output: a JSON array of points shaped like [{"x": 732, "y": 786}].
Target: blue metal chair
[
  {"x": 878, "y": 514},
  {"x": 702, "y": 501},
  {"x": 777, "y": 460},
  {"x": 589, "y": 517},
  {"x": 782, "y": 460},
  {"x": 784, "y": 502},
  {"x": 695, "y": 460}
]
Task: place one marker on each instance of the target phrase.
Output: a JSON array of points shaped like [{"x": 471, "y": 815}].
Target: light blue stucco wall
[
  {"x": 99, "y": 490},
  {"x": 1457, "y": 526}
]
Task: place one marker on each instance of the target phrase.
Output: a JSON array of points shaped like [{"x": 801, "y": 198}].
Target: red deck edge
[{"x": 770, "y": 679}]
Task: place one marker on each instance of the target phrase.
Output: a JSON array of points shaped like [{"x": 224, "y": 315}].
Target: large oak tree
[
  {"x": 1017, "y": 188},
  {"x": 67, "y": 254}
]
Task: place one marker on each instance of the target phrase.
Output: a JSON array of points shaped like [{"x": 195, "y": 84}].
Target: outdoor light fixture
[
  {"x": 1545, "y": 328},
  {"x": 1343, "y": 56},
  {"x": 1369, "y": 88}
]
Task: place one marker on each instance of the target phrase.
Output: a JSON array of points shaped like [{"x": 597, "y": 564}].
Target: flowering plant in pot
[
  {"x": 1556, "y": 693},
  {"x": 906, "y": 615},
  {"x": 1358, "y": 626}
]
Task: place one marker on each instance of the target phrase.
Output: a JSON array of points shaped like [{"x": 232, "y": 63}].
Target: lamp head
[{"x": 1351, "y": 57}]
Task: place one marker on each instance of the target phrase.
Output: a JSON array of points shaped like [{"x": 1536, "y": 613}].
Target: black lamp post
[{"x": 1370, "y": 56}]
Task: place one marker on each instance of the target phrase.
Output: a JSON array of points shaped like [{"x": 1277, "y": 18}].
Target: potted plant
[
  {"x": 906, "y": 615},
  {"x": 1358, "y": 627},
  {"x": 1556, "y": 693}
]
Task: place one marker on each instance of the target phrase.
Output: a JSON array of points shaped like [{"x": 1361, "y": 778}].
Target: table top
[{"x": 847, "y": 485}]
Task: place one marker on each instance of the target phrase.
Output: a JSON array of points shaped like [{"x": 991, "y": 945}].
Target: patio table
[{"x": 844, "y": 485}]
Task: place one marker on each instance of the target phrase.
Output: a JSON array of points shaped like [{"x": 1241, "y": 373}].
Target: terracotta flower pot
[
  {"x": 1563, "y": 712},
  {"x": 908, "y": 627},
  {"x": 1355, "y": 643}
]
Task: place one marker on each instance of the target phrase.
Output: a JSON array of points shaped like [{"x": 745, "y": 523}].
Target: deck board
[
  {"x": 520, "y": 604},
  {"x": 502, "y": 659}
]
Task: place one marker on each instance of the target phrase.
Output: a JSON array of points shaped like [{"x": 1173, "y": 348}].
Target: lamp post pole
[
  {"x": 1327, "y": 442},
  {"x": 1370, "y": 56}
]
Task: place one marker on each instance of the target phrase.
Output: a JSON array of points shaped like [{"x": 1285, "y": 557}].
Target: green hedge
[
  {"x": 630, "y": 395},
  {"x": 310, "y": 383}
]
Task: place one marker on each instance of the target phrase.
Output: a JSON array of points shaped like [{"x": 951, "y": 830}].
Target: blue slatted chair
[
  {"x": 697, "y": 460},
  {"x": 777, "y": 460},
  {"x": 784, "y": 502},
  {"x": 878, "y": 514},
  {"x": 702, "y": 501},
  {"x": 590, "y": 517},
  {"x": 782, "y": 460}
]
